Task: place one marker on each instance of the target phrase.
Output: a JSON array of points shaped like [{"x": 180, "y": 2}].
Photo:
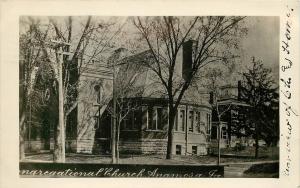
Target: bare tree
[
  {"x": 125, "y": 90},
  {"x": 31, "y": 55},
  {"x": 211, "y": 39},
  {"x": 82, "y": 45},
  {"x": 214, "y": 77},
  {"x": 96, "y": 40}
]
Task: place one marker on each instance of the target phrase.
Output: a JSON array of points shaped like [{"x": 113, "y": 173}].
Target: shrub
[{"x": 239, "y": 147}]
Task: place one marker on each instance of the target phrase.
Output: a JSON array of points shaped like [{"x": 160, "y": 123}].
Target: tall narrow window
[
  {"x": 181, "y": 120},
  {"x": 224, "y": 133},
  {"x": 125, "y": 124},
  {"x": 214, "y": 132},
  {"x": 194, "y": 150},
  {"x": 178, "y": 149},
  {"x": 98, "y": 93},
  {"x": 136, "y": 119},
  {"x": 154, "y": 119},
  {"x": 198, "y": 120},
  {"x": 208, "y": 123},
  {"x": 149, "y": 117},
  {"x": 152, "y": 116},
  {"x": 176, "y": 121},
  {"x": 130, "y": 119},
  {"x": 191, "y": 121},
  {"x": 165, "y": 117},
  {"x": 159, "y": 118}
]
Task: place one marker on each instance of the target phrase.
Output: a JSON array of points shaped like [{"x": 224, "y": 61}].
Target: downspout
[{"x": 186, "y": 129}]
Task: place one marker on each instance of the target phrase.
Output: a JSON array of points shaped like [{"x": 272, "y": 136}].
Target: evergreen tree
[{"x": 260, "y": 92}]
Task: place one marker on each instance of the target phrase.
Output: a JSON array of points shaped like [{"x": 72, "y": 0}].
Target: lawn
[
  {"x": 270, "y": 153},
  {"x": 263, "y": 170},
  {"x": 142, "y": 159}
]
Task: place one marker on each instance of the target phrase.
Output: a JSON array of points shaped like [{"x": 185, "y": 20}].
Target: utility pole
[
  {"x": 59, "y": 149},
  {"x": 113, "y": 136},
  {"x": 218, "y": 127},
  {"x": 29, "y": 126},
  {"x": 219, "y": 142}
]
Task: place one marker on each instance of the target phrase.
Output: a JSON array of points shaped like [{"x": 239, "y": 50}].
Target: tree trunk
[
  {"x": 256, "y": 141},
  {"x": 172, "y": 114},
  {"x": 114, "y": 124},
  {"x": 117, "y": 141},
  {"x": 22, "y": 111},
  {"x": 219, "y": 143},
  {"x": 22, "y": 137}
]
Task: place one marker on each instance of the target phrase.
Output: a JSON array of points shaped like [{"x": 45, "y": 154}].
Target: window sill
[
  {"x": 150, "y": 130},
  {"x": 130, "y": 130},
  {"x": 196, "y": 133},
  {"x": 182, "y": 132}
]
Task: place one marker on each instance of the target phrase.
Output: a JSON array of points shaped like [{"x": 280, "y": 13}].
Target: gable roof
[{"x": 146, "y": 82}]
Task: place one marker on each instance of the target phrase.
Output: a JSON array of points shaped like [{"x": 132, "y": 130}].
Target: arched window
[{"x": 98, "y": 90}]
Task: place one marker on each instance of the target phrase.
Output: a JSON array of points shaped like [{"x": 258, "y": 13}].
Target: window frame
[
  {"x": 195, "y": 153},
  {"x": 224, "y": 133},
  {"x": 154, "y": 118},
  {"x": 198, "y": 121},
  {"x": 178, "y": 146},
  {"x": 159, "y": 118},
  {"x": 191, "y": 118},
  {"x": 208, "y": 121},
  {"x": 181, "y": 124}
]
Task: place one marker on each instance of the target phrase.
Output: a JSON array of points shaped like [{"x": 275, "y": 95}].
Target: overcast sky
[{"x": 262, "y": 41}]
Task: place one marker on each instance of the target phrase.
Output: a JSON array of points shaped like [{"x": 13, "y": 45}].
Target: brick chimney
[
  {"x": 239, "y": 89},
  {"x": 211, "y": 98},
  {"x": 187, "y": 58}
]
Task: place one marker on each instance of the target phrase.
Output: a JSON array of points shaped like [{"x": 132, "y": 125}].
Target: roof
[
  {"x": 146, "y": 82},
  {"x": 232, "y": 101}
]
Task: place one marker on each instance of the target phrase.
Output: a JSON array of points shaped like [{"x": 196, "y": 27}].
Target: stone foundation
[
  {"x": 147, "y": 146},
  {"x": 158, "y": 146},
  {"x": 85, "y": 146}
]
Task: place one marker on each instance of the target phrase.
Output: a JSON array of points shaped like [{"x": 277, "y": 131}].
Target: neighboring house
[
  {"x": 233, "y": 121},
  {"x": 224, "y": 141}
]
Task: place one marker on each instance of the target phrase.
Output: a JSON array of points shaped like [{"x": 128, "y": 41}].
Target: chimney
[
  {"x": 239, "y": 89},
  {"x": 211, "y": 97},
  {"x": 187, "y": 58}
]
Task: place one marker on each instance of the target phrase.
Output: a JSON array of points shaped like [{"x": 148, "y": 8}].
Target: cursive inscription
[
  {"x": 116, "y": 172},
  {"x": 286, "y": 82}
]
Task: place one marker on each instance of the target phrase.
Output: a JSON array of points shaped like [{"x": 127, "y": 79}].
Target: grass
[
  {"x": 141, "y": 159},
  {"x": 263, "y": 170},
  {"x": 270, "y": 153}
]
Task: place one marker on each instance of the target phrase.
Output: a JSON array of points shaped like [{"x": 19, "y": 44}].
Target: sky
[{"x": 262, "y": 41}]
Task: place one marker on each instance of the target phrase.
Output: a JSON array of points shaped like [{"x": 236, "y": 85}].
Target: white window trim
[
  {"x": 156, "y": 114},
  {"x": 184, "y": 116},
  {"x": 224, "y": 133},
  {"x": 192, "y": 122},
  {"x": 198, "y": 115},
  {"x": 147, "y": 117},
  {"x": 196, "y": 149},
  {"x": 148, "y": 129},
  {"x": 180, "y": 147}
]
